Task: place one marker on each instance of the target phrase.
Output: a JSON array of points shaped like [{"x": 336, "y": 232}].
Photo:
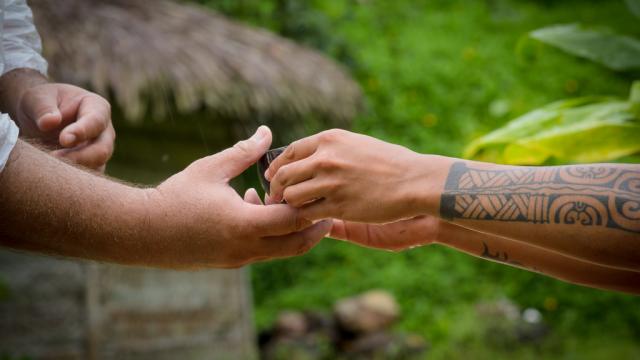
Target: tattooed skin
[
  {"x": 592, "y": 195},
  {"x": 498, "y": 256}
]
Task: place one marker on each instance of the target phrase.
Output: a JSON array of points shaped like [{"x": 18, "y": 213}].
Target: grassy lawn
[{"x": 437, "y": 74}]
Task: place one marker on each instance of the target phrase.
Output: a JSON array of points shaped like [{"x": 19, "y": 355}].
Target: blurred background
[{"x": 189, "y": 78}]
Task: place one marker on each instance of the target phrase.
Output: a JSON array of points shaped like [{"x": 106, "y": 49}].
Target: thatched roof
[{"x": 145, "y": 52}]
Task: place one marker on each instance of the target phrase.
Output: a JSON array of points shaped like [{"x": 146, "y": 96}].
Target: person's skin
[
  {"x": 192, "y": 220},
  {"x": 71, "y": 122},
  {"x": 427, "y": 230},
  {"x": 590, "y": 212}
]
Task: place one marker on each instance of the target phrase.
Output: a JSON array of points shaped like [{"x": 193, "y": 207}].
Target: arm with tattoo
[
  {"x": 590, "y": 212},
  {"x": 425, "y": 230},
  {"x": 532, "y": 258},
  {"x": 587, "y": 212}
]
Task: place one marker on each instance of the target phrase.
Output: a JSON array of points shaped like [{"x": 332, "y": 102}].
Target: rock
[
  {"x": 291, "y": 324},
  {"x": 369, "y": 312},
  {"x": 505, "y": 326}
]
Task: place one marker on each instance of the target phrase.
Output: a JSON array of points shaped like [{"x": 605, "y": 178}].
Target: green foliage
[
  {"x": 438, "y": 74},
  {"x": 616, "y": 52},
  {"x": 634, "y": 7},
  {"x": 587, "y": 129}
]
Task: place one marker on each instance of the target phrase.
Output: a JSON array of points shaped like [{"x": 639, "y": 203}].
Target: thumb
[
  {"x": 234, "y": 160},
  {"x": 42, "y": 108}
]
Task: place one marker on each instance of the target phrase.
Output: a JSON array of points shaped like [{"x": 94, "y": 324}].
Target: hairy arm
[
  {"x": 194, "y": 219},
  {"x": 51, "y": 207},
  {"x": 587, "y": 212}
]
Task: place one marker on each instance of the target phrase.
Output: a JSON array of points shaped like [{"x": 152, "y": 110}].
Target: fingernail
[
  {"x": 68, "y": 139},
  {"x": 267, "y": 175},
  {"x": 261, "y": 133}
]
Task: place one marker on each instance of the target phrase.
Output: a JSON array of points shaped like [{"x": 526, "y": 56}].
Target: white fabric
[
  {"x": 20, "y": 48},
  {"x": 8, "y": 138},
  {"x": 21, "y": 45}
]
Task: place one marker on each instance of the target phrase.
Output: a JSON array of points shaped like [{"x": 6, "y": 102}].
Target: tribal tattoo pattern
[{"x": 591, "y": 195}]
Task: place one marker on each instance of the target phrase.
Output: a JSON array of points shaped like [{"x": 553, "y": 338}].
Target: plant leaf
[
  {"x": 588, "y": 129},
  {"x": 616, "y": 52}
]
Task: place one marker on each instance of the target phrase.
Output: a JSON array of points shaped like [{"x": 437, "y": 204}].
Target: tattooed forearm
[
  {"x": 591, "y": 195},
  {"x": 503, "y": 257},
  {"x": 498, "y": 256}
]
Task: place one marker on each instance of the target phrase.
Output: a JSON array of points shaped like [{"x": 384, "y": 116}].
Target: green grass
[{"x": 437, "y": 74}]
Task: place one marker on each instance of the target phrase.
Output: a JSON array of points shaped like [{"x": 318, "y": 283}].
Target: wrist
[
  {"x": 427, "y": 182},
  {"x": 14, "y": 84}
]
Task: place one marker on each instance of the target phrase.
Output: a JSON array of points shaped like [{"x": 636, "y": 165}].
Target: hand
[
  {"x": 216, "y": 226},
  {"x": 348, "y": 176},
  {"x": 70, "y": 119},
  {"x": 396, "y": 236}
]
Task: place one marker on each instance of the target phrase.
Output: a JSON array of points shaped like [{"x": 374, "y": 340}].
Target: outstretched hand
[
  {"x": 348, "y": 176},
  {"x": 219, "y": 228},
  {"x": 395, "y": 236}
]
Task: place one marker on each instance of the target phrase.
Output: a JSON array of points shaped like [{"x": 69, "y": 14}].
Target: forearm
[
  {"x": 524, "y": 256},
  {"x": 588, "y": 212},
  {"x": 13, "y": 84},
  {"x": 51, "y": 207}
]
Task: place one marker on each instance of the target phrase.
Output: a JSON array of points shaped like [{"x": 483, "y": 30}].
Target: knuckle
[
  {"x": 331, "y": 135},
  {"x": 324, "y": 163},
  {"x": 290, "y": 152},
  {"x": 282, "y": 175},
  {"x": 290, "y": 198},
  {"x": 298, "y": 221},
  {"x": 305, "y": 245},
  {"x": 242, "y": 146}
]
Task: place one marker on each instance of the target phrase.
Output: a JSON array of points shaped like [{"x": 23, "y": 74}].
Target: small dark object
[{"x": 263, "y": 165}]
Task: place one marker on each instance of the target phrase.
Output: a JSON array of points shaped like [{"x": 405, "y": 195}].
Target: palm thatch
[{"x": 161, "y": 52}]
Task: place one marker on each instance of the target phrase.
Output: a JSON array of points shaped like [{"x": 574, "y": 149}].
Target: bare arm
[
  {"x": 425, "y": 230},
  {"x": 524, "y": 256},
  {"x": 194, "y": 219},
  {"x": 51, "y": 207},
  {"x": 588, "y": 212}
]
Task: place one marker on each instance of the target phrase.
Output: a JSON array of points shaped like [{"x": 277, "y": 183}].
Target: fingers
[
  {"x": 94, "y": 155},
  {"x": 233, "y": 161},
  {"x": 274, "y": 220},
  {"x": 289, "y": 175},
  {"x": 268, "y": 200},
  {"x": 394, "y": 236},
  {"x": 93, "y": 118},
  {"x": 319, "y": 209},
  {"x": 295, "y": 151},
  {"x": 297, "y": 243},
  {"x": 41, "y": 107},
  {"x": 302, "y": 193},
  {"x": 251, "y": 196},
  {"x": 338, "y": 230}
]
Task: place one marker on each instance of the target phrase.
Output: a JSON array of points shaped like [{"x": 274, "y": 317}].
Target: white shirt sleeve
[
  {"x": 8, "y": 138},
  {"x": 21, "y": 43}
]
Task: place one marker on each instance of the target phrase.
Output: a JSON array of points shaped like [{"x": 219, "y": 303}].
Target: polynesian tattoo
[{"x": 601, "y": 195}]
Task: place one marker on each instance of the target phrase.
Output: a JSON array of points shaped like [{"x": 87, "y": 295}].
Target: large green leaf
[
  {"x": 589, "y": 129},
  {"x": 616, "y": 52}
]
